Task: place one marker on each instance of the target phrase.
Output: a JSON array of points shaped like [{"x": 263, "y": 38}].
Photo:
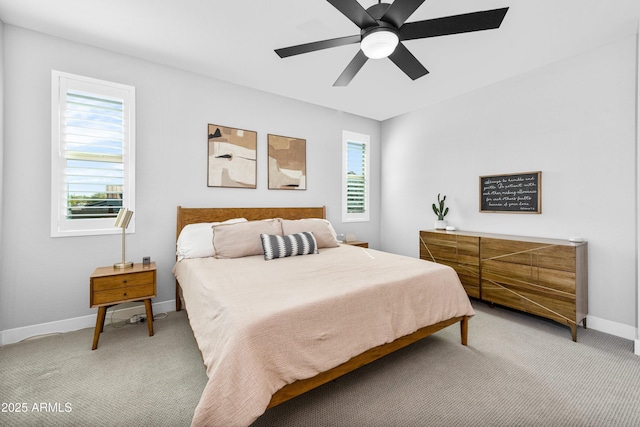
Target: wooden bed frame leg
[
  {"x": 464, "y": 329},
  {"x": 178, "y": 301}
]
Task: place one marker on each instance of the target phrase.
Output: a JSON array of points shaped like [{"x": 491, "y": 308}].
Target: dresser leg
[
  {"x": 102, "y": 311},
  {"x": 149, "y": 310},
  {"x": 574, "y": 332}
]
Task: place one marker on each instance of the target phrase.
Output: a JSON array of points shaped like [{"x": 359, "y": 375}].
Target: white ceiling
[{"x": 234, "y": 41}]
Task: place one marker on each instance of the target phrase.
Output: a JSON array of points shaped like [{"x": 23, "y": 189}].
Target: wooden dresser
[{"x": 545, "y": 277}]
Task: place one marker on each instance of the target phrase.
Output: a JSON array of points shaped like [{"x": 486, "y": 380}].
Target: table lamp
[{"x": 122, "y": 221}]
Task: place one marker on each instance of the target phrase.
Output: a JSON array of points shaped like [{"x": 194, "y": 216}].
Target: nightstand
[
  {"x": 110, "y": 286},
  {"x": 357, "y": 243}
]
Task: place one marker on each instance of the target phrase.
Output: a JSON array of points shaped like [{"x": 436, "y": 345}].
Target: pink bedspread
[{"x": 263, "y": 324}]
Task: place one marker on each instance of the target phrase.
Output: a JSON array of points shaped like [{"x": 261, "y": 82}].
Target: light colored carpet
[
  {"x": 518, "y": 370},
  {"x": 130, "y": 380}
]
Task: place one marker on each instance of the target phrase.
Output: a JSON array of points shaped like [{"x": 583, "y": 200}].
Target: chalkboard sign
[{"x": 513, "y": 193}]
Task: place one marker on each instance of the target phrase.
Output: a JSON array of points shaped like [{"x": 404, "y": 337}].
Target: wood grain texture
[
  {"x": 358, "y": 243},
  {"x": 187, "y": 216},
  {"x": 536, "y": 277},
  {"x": 110, "y": 286},
  {"x": 545, "y": 277},
  {"x": 457, "y": 251}
]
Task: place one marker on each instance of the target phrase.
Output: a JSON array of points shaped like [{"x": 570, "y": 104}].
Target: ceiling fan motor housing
[
  {"x": 377, "y": 11},
  {"x": 380, "y": 41},
  {"x": 386, "y": 37}
]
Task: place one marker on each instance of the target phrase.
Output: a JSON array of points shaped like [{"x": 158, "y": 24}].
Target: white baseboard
[
  {"x": 124, "y": 312},
  {"x": 121, "y": 312},
  {"x": 611, "y": 328},
  {"x": 636, "y": 348}
]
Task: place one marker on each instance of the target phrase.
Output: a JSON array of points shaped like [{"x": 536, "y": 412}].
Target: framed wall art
[
  {"x": 231, "y": 157},
  {"x": 287, "y": 163},
  {"x": 511, "y": 193}
]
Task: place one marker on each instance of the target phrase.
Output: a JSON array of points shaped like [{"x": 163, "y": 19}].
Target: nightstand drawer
[
  {"x": 109, "y": 296},
  {"x": 122, "y": 281}
]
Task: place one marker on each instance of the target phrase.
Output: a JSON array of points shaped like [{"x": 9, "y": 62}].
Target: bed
[{"x": 270, "y": 330}]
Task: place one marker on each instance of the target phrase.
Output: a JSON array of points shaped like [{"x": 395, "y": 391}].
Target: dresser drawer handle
[
  {"x": 124, "y": 295},
  {"x": 124, "y": 281}
]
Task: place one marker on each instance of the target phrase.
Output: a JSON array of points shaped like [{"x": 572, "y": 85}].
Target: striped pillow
[{"x": 293, "y": 244}]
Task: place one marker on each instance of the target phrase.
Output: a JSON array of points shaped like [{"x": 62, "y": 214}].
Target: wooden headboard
[
  {"x": 195, "y": 215},
  {"x": 188, "y": 216}
]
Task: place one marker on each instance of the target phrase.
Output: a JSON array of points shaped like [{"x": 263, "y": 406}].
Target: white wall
[
  {"x": 46, "y": 279},
  {"x": 2, "y": 292},
  {"x": 574, "y": 120},
  {"x": 637, "y": 341}
]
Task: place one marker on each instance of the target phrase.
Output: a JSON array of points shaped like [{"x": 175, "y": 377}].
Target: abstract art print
[
  {"x": 287, "y": 163},
  {"x": 231, "y": 157}
]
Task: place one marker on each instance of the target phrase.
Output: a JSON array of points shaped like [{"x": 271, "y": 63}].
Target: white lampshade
[
  {"x": 123, "y": 218},
  {"x": 379, "y": 44},
  {"x": 122, "y": 221}
]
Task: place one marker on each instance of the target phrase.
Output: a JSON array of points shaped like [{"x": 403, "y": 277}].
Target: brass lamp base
[{"x": 123, "y": 265}]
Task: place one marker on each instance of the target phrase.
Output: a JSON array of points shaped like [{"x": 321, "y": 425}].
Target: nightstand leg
[
  {"x": 149, "y": 310},
  {"x": 102, "y": 311}
]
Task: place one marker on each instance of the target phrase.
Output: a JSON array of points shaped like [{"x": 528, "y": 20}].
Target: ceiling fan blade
[
  {"x": 407, "y": 62},
  {"x": 355, "y": 12},
  {"x": 352, "y": 69},
  {"x": 400, "y": 11},
  {"x": 456, "y": 24},
  {"x": 314, "y": 46}
]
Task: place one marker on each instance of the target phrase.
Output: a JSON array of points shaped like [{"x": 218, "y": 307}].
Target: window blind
[
  {"x": 93, "y": 142},
  {"x": 356, "y": 179}
]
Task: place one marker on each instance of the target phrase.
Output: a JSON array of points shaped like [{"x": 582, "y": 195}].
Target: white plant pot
[{"x": 441, "y": 224}]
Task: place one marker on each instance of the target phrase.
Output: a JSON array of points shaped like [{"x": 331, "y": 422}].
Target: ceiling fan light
[{"x": 379, "y": 44}]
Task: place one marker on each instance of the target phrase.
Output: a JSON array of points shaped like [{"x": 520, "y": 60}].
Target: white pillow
[{"x": 194, "y": 240}]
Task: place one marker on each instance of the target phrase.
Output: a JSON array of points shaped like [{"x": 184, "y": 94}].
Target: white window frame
[
  {"x": 60, "y": 225},
  {"x": 348, "y": 136}
]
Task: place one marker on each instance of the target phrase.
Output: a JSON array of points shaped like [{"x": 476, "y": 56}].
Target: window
[
  {"x": 92, "y": 154},
  {"x": 355, "y": 177}
]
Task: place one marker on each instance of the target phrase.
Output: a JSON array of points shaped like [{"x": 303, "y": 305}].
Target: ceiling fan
[{"x": 383, "y": 29}]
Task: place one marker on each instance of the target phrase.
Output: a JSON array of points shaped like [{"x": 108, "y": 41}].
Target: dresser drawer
[
  {"x": 459, "y": 252},
  {"x": 529, "y": 276},
  {"x": 449, "y": 247},
  {"x": 111, "y": 296},
  {"x": 122, "y": 281},
  {"x": 545, "y": 255}
]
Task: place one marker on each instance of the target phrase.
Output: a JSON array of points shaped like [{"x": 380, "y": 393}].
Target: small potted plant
[{"x": 441, "y": 212}]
